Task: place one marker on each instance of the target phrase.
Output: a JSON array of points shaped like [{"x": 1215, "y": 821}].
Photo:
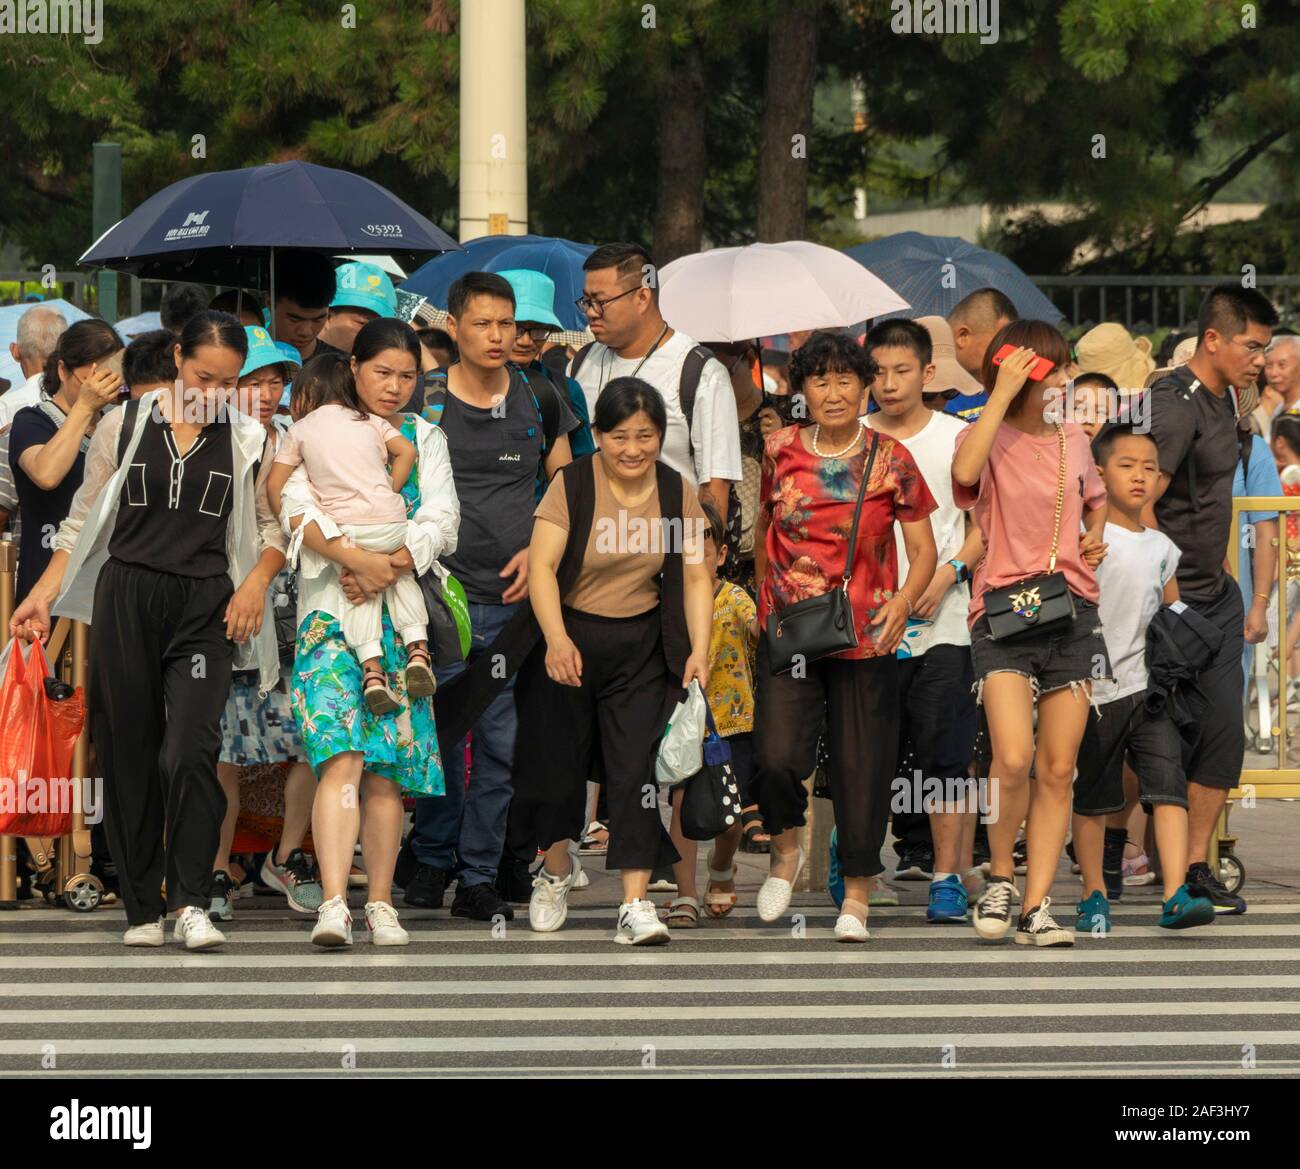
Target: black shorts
[
  {"x": 1122, "y": 730},
  {"x": 1051, "y": 659},
  {"x": 1217, "y": 758}
]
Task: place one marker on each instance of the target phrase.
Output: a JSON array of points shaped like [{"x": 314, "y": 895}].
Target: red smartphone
[{"x": 1039, "y": 370}]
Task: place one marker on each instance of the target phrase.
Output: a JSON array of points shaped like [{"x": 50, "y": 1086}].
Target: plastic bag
[
  {"x": 37, "y": 738},
  {"x": 681, "y": 750}
]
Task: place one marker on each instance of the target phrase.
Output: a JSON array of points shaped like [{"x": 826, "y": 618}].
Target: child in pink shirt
[{"x": 345, "y": 451}]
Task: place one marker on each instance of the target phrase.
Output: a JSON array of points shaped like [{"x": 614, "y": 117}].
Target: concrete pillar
[{"x": 493, "y": 119}]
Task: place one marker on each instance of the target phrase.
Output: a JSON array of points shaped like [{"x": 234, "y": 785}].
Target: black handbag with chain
[
  {"x": 1036, "y": 602},
  {"x": 812, "y": 629}
]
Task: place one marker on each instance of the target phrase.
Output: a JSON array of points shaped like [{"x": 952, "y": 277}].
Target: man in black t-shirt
[
  {"x": 304, "y": 287},
  {"x": 494, "y": 430},
  {"x": 1194, "y": 424}
]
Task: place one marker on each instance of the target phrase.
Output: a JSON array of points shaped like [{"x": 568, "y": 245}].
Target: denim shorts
[{"x": 1052, "y": 659}]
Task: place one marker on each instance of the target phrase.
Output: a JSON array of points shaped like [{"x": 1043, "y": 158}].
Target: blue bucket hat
[
  {"x": 262, "y": 351},
  {"x": 362, "y": 285},
  {"x": 534, "y": 296}
]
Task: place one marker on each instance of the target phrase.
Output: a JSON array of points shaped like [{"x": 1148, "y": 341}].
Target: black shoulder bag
[
  {"x": 1037, "y": 602},
  {"x": 812, "y": 629}
]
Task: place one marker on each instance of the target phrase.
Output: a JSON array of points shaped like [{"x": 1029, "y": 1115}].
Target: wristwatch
[{"x": 963, "y": 573}]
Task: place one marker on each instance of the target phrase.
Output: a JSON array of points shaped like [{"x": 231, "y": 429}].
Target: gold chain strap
[{"x": 1060, "y": 499}]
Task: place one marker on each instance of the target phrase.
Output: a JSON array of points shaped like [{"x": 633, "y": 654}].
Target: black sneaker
[
  {"x": 1112, "y": 863},
  {"x": 427, "y": 888},
  {"x": 992, "y": 916},
  {"x": 407, "y": 864},
  {"x": 915, "y": 863},
  {"x": 480, "y": 902},
  {"x": 981, "y": 855},
  {"x": 1038, "y": 928},
  {"x": 515, "y": 880},
  {"x": 1020, "y": 857},
  {"x": 1201, "y": 880}
]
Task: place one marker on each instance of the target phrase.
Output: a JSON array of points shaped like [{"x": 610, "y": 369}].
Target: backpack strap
[
  {"x": 547, "y": 404},
  {"x": 579, "y": 358},
  {"x": 688, "y": 386},
  {"x": 131, "y": 411}
]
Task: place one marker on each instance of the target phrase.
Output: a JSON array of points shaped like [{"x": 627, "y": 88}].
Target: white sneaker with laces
[
  {"x": 194, "y": 928},
  {"x": 381, "y": 920},
  {"x": 549, "y": 905},
  {"x": 639, "y": 925},
  {"x": 333, "y": 924},
  {"x": 992, "y": 916},
  {"x": 149, "y": 934}
]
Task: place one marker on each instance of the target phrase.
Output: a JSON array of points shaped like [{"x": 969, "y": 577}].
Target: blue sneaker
[
  {"x": 948, "y": 901},
  {"x": 835, "y": 878},
  {"x": 1094, "y": 914},
  {"x": 1184, "y": 910}
]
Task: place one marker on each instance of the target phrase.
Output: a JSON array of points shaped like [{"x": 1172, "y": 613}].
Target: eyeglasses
[
  {"x": 538, "y": 333},
  {"x": 590, "y": 305},
  {"x": 1254, "y": 348}
]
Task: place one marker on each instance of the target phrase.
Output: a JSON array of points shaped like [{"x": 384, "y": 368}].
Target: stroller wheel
[
  {"x": 1231, "y": 872},
  {"x": 83, "y": 893}
]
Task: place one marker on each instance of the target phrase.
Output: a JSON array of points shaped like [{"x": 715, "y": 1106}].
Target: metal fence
[{"x": 1153, "y": 302}]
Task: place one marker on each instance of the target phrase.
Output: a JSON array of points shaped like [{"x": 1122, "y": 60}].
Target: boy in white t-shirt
[
  {"x": 937, "y": 733},
  {"x": 1136, "y": 578}
]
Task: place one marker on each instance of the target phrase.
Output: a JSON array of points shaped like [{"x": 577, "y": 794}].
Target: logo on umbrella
[
  {"x": 383, "y": 230},
  {"x": 192, "y": 228}
]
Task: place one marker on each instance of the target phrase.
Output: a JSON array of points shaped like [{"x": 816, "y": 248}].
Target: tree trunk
[
  {"x": 787, "y": 123},
  {"x": 679, "y": 216}
]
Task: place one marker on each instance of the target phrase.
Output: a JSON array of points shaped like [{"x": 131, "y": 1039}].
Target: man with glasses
[
  {"x": 1194, "y": 424},
  {"x": 621, "y": 300}
]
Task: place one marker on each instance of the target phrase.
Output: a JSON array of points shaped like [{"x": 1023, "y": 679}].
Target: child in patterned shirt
[{"x": 730, "y": 695}]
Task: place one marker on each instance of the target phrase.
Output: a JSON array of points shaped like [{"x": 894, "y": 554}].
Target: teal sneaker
[
  {"x": 296, "y": 879},
  {"x": 1184, "y": 910},
  {"x": 949, "y": 901},
  {"x": 834, "y": 877},
  {"x": 1093, "y": 914}
]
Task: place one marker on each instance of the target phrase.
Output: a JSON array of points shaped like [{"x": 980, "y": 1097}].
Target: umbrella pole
[{"x": 272, "y": 294}]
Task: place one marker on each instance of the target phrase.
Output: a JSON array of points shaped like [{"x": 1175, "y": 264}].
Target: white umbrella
[{"x": 737, "y": 294}]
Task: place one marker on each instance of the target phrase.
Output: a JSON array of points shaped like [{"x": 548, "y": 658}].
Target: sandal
[
  {"x": 1137, "y": 870},
  {"x": 719, "y": 904},
  {"x": 420, "y": 682},
  {"x": 755, "y": 839},
  {"x": 683, "y": 913},
  {"x": 589, "y": 845},
  {"x": 379, "y": 697}
]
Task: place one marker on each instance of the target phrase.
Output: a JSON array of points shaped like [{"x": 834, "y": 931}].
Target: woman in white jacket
[
  {"x": 361, "y": 758},
  {"x": 168, "y": 551}
]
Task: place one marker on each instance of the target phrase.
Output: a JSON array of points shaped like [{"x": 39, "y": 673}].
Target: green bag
[{"x": 449, "y": 624}]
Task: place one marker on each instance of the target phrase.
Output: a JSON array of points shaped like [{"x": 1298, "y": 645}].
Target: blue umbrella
[
  {"x": 933, "y": 272},
  {"x": 9, "y": 316},
  {"x": 560, "y": 259},
  {"x": 221, "y": 228},
  {"x": 140, "y": 323}
]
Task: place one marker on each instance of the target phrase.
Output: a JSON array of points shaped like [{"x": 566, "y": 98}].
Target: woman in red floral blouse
[{"x": 811, "y": 476}]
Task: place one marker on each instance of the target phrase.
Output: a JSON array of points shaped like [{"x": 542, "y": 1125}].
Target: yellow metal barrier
[{"x": 8, "y": 844}]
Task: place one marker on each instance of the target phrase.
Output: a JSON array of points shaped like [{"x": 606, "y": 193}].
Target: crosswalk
[{"x": 738, "y": 998}]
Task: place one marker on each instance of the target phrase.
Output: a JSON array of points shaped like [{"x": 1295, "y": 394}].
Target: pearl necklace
[{"x": 817, "y": 433}]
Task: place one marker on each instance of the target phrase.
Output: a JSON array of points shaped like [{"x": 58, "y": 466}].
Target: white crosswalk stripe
[{"x": 733, "y": 998}]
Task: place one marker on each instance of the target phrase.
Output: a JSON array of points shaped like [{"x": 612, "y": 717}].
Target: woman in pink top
[
  {"x": 1006, "y": 469},
  {"x": 346, "y": 451}
]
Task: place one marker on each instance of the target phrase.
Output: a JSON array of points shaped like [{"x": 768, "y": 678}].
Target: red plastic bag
[{"x": 37, "y": 739}]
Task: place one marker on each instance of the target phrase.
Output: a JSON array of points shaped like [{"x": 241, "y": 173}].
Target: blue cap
[
  {"x": 534, "y": 296},
  {"x": 262, "y": 351},
  {"x": 362, "y": 285}
]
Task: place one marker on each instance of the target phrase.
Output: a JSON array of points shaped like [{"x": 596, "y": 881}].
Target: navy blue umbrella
[
  {"x": 933, "y": 272},
  {"x": 220, "y": 228},
  {"x": 560, "y": 259}
]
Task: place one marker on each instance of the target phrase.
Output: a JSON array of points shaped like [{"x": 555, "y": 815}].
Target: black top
[
  {"x": 494, "y": 453},
  {"x": 42, "y": 511},
  {"x": 1196, "y": 433},
  {"x": 173, "y": 512}
]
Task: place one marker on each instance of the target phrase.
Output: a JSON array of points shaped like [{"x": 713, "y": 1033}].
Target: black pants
[
  {"x": 937, "y": 731},
  {"x": 859, "y": 699},
  {"x": 1216, "y": 698},
  {"x": 620, "y": 706},
  {"x": 160, "y": 672}
]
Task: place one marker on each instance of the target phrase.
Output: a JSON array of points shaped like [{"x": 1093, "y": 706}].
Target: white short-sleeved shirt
[
  {"x": 17, "y": 397},
  {"x": 932, "y": 449},
  {"x": 714, "y": 436},
  {"x": 1133, "y": 576},
  {"x": 347, "y": 463}
]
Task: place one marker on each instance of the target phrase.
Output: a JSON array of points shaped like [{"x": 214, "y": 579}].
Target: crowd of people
[{"x": 464, "y": 573}]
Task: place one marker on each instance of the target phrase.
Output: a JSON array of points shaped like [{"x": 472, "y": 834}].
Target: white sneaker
[
  {"x": 774, "y": 896},
  {"x": 333, "y": 924},
  {"x": 381, "y": 920},
  {"x": 149, "y": 934},
  {"x": 195, "y": 929},
  {"x": 639, "y": 925},
  {"x": 549, "y": 904},
  {"x": 992, "y": 916}
]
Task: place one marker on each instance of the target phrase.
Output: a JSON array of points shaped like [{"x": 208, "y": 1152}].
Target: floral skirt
[
  {"x": 333, "y": 716},
  {"x": 254, "y": 730}
]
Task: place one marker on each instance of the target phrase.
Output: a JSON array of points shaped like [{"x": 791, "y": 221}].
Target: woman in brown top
[{"x": 619, "y": 586}]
